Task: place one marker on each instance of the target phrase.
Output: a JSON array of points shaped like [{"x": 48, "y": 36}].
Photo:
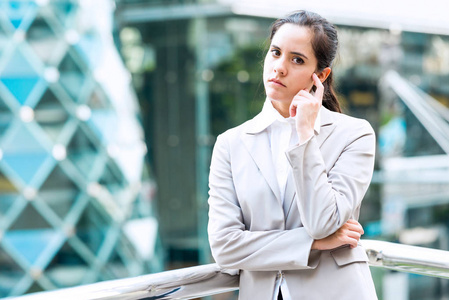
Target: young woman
[{"x": 286, "y": 187}]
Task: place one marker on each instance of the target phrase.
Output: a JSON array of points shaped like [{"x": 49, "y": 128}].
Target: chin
[{"x": 279, "y": 98}]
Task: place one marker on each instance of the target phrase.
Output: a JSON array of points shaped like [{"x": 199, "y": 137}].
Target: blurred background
[{"x": 109, "y": 111}]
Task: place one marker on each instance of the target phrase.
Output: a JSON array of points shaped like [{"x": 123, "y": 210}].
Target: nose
[{"x": 280, "y": 68}]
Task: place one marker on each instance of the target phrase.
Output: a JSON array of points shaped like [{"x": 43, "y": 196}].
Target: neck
[{"x": 282, "y": 107}]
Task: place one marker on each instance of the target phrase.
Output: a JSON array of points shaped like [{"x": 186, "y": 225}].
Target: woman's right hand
[{"x": 348, "y": 234}]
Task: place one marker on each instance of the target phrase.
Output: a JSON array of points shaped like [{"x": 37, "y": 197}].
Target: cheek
[
  {"x": 303, "y": 82},
  {"x": 266, "y": 68}
]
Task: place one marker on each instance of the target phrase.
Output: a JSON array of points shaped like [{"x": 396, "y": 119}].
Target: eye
[
  {"x": 298, "y": 60},
  {"x": 275, "y": 52}
]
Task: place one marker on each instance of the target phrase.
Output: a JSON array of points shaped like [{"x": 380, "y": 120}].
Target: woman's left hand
[
  {"x": 348, "y": 234},
  {"x": 305, "y": 107}
]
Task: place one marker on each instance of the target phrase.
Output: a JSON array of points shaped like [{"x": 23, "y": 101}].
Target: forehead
[{"x": 293, "y": 37}]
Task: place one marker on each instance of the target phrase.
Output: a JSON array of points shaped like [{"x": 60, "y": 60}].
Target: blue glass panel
[
  {"x": 71, "y": 76},
  {"x": 19, "y": 11},
  {"x": 19, "y": 139},
  {"x": 112, "y": 178},
  {"x": 16, "y": 22},
  {"x": 90, "y": 47},
  {"x": 30, "y": 243},
  {"x": 105, "y": 124},
  {"x": 23, "y": 153},
  {"x": 21, "y": 79},
  {"x": 50, "y": 114},
  {"x": 59, "y": 192},
  {"x": 18, "y": 66},
  {"x": 20, "y": 87},
  {"x": 92, "y": 228},
  {"x": 64, "y": 11},
  {"x": 45, "y": 43},
  {"x": 29, "y": 218},
  {"x": 82, "y": 152},
  {"x": 25, "y": 164}
]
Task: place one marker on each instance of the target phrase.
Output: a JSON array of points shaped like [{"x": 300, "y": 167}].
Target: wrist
[
  {"x": 305, "y": 136},
  {"x": 316, "y": 245}
]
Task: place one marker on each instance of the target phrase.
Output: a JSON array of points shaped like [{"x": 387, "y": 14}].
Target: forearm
[
  {"x": 263, "y": 250},
  {"x": 326, "y": 200}
]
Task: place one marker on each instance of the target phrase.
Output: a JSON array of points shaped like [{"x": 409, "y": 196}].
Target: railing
[
  {"x": 430, "y": 113},
  {"x": 210, "y": 279}
]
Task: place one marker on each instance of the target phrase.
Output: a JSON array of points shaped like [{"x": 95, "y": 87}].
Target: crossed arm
[{"x": 237, "y": 248}]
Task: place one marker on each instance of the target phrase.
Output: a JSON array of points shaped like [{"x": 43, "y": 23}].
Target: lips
[{"x": 274, "y": 80}]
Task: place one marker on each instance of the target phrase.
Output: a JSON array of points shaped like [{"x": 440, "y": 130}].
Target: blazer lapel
[
  {"x": 258, "y": 146},
  {"x": 327, "y": 126}
]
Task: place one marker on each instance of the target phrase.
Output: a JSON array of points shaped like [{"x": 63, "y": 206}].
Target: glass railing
[{"x": 204, "y": 280}]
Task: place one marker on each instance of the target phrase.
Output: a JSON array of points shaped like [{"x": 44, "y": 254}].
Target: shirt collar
[{"x": 269, "y": 115}]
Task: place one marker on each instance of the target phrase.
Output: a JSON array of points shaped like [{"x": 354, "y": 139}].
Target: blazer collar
[
  {"x": 328, "y": 123},
  {"x": 260, "y": 122},
  {"x": 256, "y": 140}
]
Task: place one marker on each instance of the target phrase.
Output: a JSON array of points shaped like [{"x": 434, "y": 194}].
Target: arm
[
  {"x": 236, "y": 248},
  {"x": 348, "y": 234},
  {"x": 326, "y": 201}
]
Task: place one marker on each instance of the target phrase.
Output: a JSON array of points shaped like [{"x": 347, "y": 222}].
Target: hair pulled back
[{"x": 324, "y": 45}]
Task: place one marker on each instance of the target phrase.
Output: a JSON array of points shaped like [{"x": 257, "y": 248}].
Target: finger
[
  {"x": 354, "y": 235},
  {"x": 349, "y": 241},
  {"x": 295, "y": 103},
  {"x": 305, "y": 94},
  {"x": 353, "y": 241},
  {"x": 356, "y": 228},
  {"x": 353, "y": 244},
  {"x": 355, "y": 223},
  {"x": 352, "y": 221},
  {"x": 319, "y": 87}
]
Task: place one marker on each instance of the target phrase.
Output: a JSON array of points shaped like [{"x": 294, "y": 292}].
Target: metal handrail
[
  {"x": 433, "y": 118},
  {"x": 200, "y": 281}
]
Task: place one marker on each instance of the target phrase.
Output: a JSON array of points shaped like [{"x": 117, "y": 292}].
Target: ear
[{"x": 324, "y": 74}]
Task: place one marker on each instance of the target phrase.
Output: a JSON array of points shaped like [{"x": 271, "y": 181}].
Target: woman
[{"x": 286, "y": 187}]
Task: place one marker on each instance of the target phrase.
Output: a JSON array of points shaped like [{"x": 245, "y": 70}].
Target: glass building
[{"x": 75, "y": 203}]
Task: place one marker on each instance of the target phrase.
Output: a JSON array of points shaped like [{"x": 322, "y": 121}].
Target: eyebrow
[{"x": 293, "y": 52}]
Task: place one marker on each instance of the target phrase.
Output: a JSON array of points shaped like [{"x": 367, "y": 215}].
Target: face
[{"x": 289, "y": 64}]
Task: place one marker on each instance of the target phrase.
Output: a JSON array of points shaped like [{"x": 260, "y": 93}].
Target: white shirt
[{"x": 283, "y": 135}]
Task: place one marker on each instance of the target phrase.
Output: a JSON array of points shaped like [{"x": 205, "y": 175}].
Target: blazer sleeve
[
  {"x": 233, "y": 246},
  {"x": 327, "y": 200}
]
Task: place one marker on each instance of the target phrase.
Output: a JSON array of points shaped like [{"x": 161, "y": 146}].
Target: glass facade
[{"x": 75, "y": 203}]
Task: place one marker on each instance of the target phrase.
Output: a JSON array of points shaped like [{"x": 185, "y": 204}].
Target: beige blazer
[{"x": 252, "y": 230}]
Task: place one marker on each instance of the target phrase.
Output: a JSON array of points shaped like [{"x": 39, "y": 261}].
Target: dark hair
[{"x": 324, "y": 44}]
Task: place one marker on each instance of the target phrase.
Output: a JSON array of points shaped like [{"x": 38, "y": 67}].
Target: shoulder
[
  {"x": 350, "y": 124},
  {"x": 234, "y": 134}
]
